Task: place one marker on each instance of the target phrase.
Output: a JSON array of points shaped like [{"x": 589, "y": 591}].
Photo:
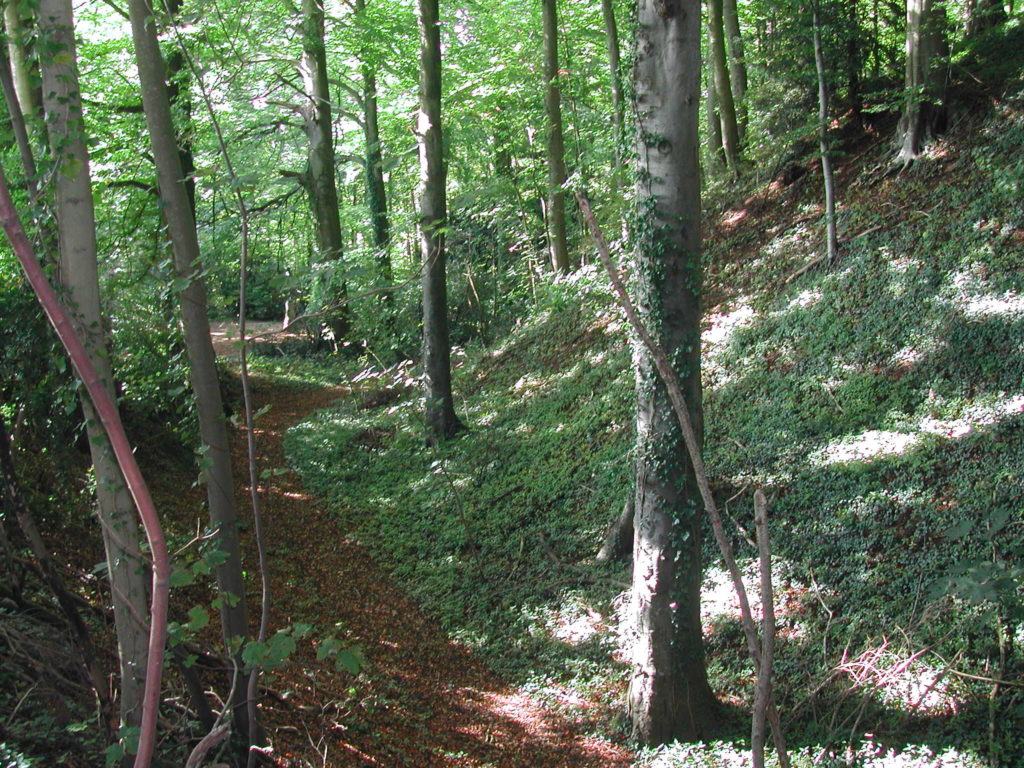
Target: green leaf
[
  {"x": 198, "y": 617},
  {"x": 182, "y": 577}
]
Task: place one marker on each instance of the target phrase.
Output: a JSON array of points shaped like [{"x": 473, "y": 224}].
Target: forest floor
[{"x": 421, "y": 700}]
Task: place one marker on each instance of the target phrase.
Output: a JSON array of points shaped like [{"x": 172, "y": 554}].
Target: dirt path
[{"x": 423, "y": 701}]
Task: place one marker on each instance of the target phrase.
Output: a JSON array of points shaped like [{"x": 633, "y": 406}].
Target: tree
[
  {"x": 737, "y": 62},
  {"x": 618, "y": 103},
  {"x": 826, "y": 158},
  {"x": 923, "y": 110},
  {"x": 376, "y": 192},
  {"x": 76, "y": 228},
  {"x": 984, "y": 14},
  {"x": 723, "y": 84},
  {"x": 181, "y": 230},
  {"x": 557, "y": 241},
  {"x": 441, "y": 420},
  {"x": 669, "y": 695},
  {"x": 323, "y": 191}
]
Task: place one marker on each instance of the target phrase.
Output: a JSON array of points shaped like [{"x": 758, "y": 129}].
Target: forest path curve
[{"x": 424, "y": 702}]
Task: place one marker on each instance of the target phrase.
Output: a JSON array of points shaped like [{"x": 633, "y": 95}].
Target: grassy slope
[{"x": 880, "y": 401}]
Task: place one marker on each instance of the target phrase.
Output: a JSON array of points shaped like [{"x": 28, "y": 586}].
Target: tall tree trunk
[
  {"x": 669, "y": 695},
  {"x": 376, "y": 192},
  {"x": 715, "y": 148},
  {"x": 181, "y": 228},
  {"x": 723, "y": 85},
  {"x": 323, "y": 188},
  {"x": 21, "y": 67},
  {"x": 737, "y": 63},
  {"x": 557, "y": 241},
  {"x": 611, "y": 30},
  {"x": 853, "y": 62},
  {"x": 826, "y": 159},
  {"x": 924, "y": 110},
  {"x": 76, "y": 233},
  {"x": 441, "y": 421}
]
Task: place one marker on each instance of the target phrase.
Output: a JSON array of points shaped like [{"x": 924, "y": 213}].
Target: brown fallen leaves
[{"x": 422, "y": 701}]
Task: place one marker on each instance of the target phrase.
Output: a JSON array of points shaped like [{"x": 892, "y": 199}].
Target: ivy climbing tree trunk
[
  {"x": 191, "y": 290},
  {"x": 558, "y": 244},
  {"x": 669, "y": 695},
  {"x": 76, "y": 236},
  {"x": 441, "y": 421},
  {"x": 323, "y": 190}
]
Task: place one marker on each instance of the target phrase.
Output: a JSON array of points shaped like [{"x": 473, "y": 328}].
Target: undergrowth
[{"x": 880, "y": 402}]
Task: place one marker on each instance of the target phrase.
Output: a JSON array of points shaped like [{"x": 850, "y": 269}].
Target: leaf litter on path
[{"x": 421, "y": 701}]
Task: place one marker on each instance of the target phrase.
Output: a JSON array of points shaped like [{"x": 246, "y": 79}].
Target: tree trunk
[
  {"x": 76, "y": 234},
  {"x": 376, "y": 192},
  {"x": 441, "y": 421},
  {"x": 924, "y": 110},
  {"x": 323, "y": 189},
  {"x": 557, "y": 242},
  {"x": 716, "y": 151},
  {"x": 177, "y": 211},
  {"x": 21, "y": 67},
  {"x": 723, "y": 86},
  {"x": 737, "y": 63},
  {"x": 669, "y": 695},
  {"x": 614, "y": 66},
  {"x": 984, "y": 14},
  {"x": 826, "y": 159},
  {"x": 853, "y": 62}
]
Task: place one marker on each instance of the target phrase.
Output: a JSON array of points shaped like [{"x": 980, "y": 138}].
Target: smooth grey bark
[
  {"x": 20, "y": 65},
  {"x": 323, "y": 190},
  {"x": 76, "y": 236},
  {"x": 558, "y": 244},
  {"x": 826, "y": 160},
  {"x": 923, "y": 111},
  {"x": 715, "y": 148},
  {"x": 723, "y": 84},
  {"x": 669, "y": 696},
  {"x": 611, "y": 30},
  {"x": 737, "y": 62},
  {"x": 177, "y": 212},
  {"x": 376, "y": 191},
  {"x": 441, "y": 421}
]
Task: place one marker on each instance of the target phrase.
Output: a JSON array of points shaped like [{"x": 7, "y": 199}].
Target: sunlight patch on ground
[
  {"x": 876, "y": 443},
  {"x": 715, "y": 339},
  {"x": 969, "y": 295}
]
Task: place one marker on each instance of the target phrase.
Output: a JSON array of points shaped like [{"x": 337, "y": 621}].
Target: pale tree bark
[
  {"x": 715, "y": 148},
  {"x": 76, "y": 235},
  {"x": 923, "y": 110},
  {"x": 669, "y": 695},
  {"x": 21, "y": 67},
  {"x": 181, "y": 229},
  {"x": 737, "y": 63},
  {"x": 611, "y": 30},
  {"x": 558, "y": 244},
  {"x": 323, "y": 190},
  {"x": 441, "y": 421},
  {"x": 376, "y": 191},
  {"x": 826, "y": 159},
  {"x": 723, "y": 85}
]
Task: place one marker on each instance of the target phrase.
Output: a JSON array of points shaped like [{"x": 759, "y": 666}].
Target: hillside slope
[{"x": 879, "y": 401}]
